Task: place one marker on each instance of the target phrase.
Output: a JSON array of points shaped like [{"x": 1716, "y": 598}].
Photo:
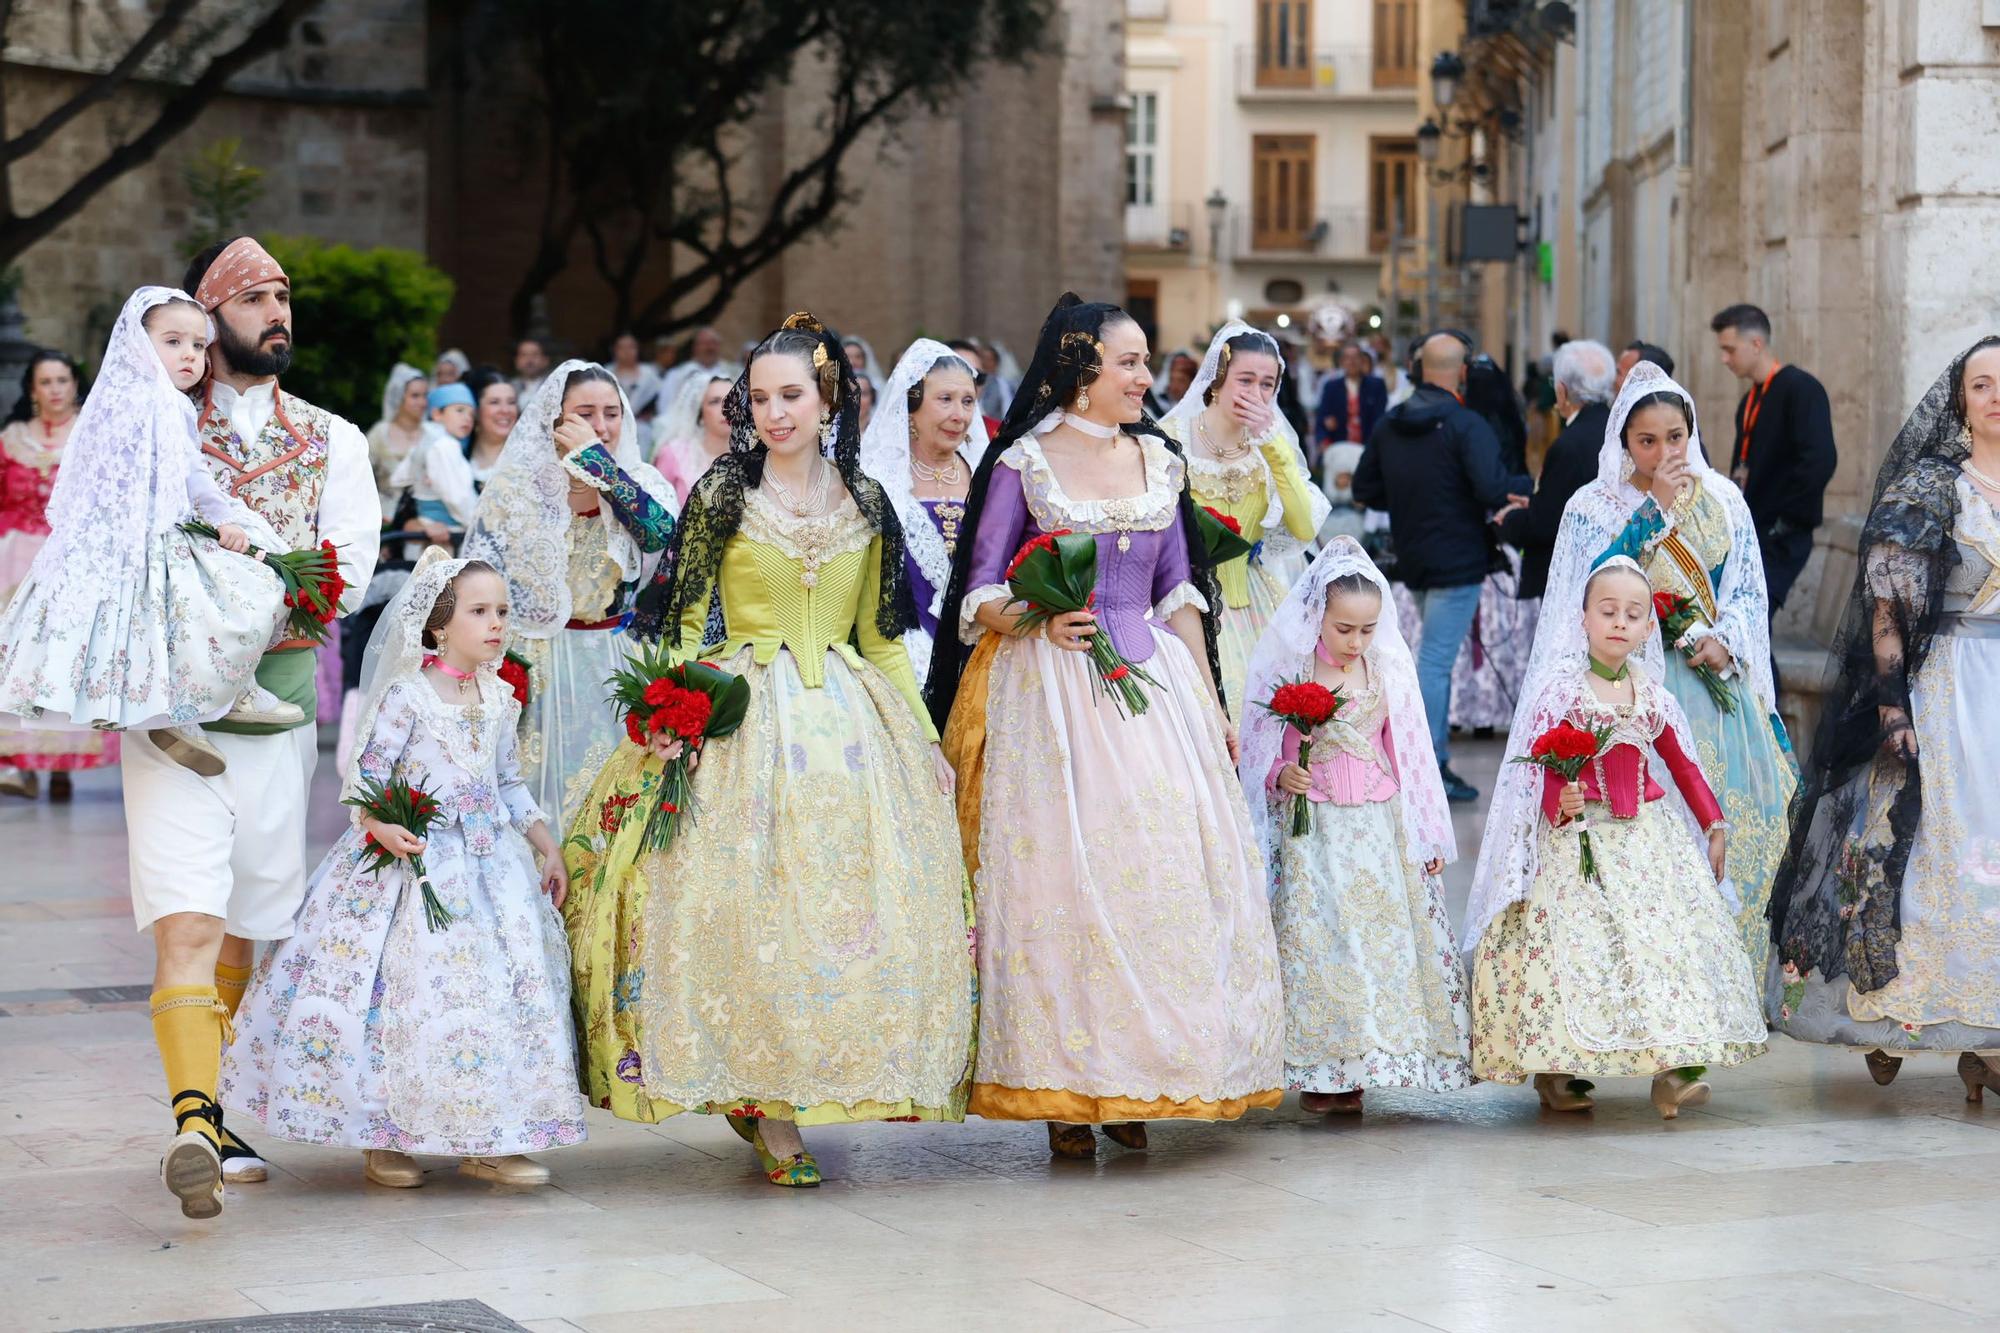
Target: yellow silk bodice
[
  {"x": 1244, "y": 490},
  {"x": 811, "y": 585}
]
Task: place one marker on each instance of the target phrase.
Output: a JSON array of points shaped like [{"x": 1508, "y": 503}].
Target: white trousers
[{"x": 232, "y": 846}]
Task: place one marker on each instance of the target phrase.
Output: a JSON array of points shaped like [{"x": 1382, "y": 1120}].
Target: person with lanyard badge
[{"x": 218, "y": 863}]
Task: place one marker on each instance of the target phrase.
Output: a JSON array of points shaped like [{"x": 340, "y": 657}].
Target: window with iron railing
[
  {"x": 1395, "y": 43},
  {"x": 1281, "y": 195},
  {"x": 1284, "y": 43}
]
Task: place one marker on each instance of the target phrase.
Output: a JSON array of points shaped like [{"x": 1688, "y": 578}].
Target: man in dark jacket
[
  {"x": 1583, "y": 373},
  {"x": 1434, "y": 466},
  {"x": 1351, "y": 403},
  {"x": 1784, "y": 454}
]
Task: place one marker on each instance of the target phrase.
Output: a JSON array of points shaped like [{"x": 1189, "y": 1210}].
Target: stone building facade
[
  {"x": 335, "y": 120},
  {"x": 1823, "y": 159},
  {"x": 970, "y": 220}
]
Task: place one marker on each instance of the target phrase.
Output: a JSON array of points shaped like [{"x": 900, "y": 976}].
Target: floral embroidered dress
[
  {"x": 367, "y": 1029},
  {"x": 1374, "y": 994},
  {"x": 1744, "y": 750},
  {"x": 29, "y": 458},
  {"x": 125, "y": 620},
  {"x": 1636, "y": 975},
  {"x": 1931, "y": 969},
  {"x": 801, "y": 950},
  {"x": 1127, "y": 964},
  {"x": 1254, "y": 491}
]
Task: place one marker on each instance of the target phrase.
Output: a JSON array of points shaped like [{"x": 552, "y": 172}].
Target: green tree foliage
[
  {"x": 355, "y": 313},
  {"x": 224, "y": 188}
]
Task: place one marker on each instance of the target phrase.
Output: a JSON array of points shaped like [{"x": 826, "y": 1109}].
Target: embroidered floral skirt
[
  {"x": 367, "y": 1029},
  {"x": 1944, "y": 946},
  {"x": 40, "y": 750},
  {"x": 1374, "y": 994},
  {"x": 172, "y": 642},
  {"x": 1127, "y": 964},
  {"x": 1639, "y": 974},
  {"x": 802, "y": 949},
  {"x": 1750, "y": 766},
  {"x": 1239, "y": 627}
]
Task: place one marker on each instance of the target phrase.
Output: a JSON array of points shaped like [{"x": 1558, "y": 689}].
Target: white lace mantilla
[{"x": 1151, "y": 510}]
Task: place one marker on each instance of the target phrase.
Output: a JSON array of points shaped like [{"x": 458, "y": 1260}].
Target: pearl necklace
[
  {"x": 1230, "y": 455},
  {"x": 945, "y": 475},
  {"x": 1978, "y": 476},
  {"x": 815, "y": 497}
]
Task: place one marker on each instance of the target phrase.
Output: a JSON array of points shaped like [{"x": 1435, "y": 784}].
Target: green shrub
[{"x": 355, "y": 314}]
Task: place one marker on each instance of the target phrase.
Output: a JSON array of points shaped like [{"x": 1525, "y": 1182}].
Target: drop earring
[
  {"x": 1083, "y": 400},
  {"x": 826, "y": 430}
]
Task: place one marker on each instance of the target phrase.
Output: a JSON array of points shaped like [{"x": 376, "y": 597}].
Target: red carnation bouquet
[
  {"x": 1304, "y": 705},
  {"x": 1677, "y": 616},
  {"x": 313, "y": 585},
  {"x": 1221, "y": 535},
  {"x": 398, "y": 802},
  {"x": 1056, "y": 572},
  {"x": 694, "y": 702},
  {"x": 514, "y": 672},
  {"x": 1564, "y": 749}
]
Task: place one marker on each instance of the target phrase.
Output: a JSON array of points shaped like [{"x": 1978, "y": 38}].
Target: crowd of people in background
[{"x": 983, "y": 828}]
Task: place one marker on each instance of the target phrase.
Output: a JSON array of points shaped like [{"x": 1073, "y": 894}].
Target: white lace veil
[
  {"x": 1285, "y": 653},
  {"x": 1278, "y": 540},
  {"x": 885, "y": 456},
  {"x": 522, "y": 524},
  {"x": 396, "y": 650},
  {"x": 1509, "y": 851},
  {"x": 124, "y": 475},
  {"x": 399, "y": 379},
  {"x": 1598, "y": 513},
  {"x": 682, "y": 418}
]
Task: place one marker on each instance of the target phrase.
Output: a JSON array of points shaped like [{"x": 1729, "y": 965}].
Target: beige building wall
[{"x": 1197, "y": 61}]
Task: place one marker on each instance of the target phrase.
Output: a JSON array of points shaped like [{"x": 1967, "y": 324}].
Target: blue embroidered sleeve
[
  {"x": 639, "y": 513},
  {"x": 1641, "y": 531}
]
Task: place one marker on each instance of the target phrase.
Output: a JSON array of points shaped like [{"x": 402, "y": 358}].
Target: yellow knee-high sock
[
  {"x": 230, "y": 983},
  {"x": 188, "y": 1024}
]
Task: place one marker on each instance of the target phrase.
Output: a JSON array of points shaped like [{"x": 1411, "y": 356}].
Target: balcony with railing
[
  {"x": 1278, "y": 72},
  {"x": 1330, "y": 235},
  {"x": 1160, "y": 228}
]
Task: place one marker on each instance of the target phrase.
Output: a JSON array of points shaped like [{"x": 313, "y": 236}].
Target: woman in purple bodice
[{"x": 1127, "y": 964}]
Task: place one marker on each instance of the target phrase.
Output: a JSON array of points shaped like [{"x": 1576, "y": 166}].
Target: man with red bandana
[{"x": 218, "y": 862}]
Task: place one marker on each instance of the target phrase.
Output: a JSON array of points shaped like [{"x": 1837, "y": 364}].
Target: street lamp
[
  {"x": 1429, "y": 140},
  {"x": 1447, "y": 70},
  {"x": 1218, "y": 212}
]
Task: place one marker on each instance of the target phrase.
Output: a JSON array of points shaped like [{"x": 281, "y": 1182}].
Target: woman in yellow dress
[
  {"x": 800, "y": 953},
  {"x": 1244, "y": 461}
]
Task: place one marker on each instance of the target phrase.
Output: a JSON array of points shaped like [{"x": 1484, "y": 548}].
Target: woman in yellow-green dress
[
  {"x": 1244, "y": 461},
  {"x": 800, "y": 954}
]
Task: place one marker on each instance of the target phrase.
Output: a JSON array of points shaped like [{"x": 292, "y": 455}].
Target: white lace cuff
[
  {"x": 1183, "y": 595},
  {"x": 600, "y": 484},
  {"x": 969, "y": 628},
  {"x": 1696, "y": 634}
]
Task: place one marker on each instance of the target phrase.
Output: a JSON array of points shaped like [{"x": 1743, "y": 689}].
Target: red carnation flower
[
  {"x": 1224, "y": 519},
  {"x": 1565, "y": 741},
  {"x": 1304, "y": 702},
  {"x": 658, "y": 692},
  {"x": 1044, "y": 542},
  {"x": 635, "y": 730}
]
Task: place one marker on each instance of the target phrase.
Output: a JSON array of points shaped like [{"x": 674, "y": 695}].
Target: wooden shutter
[
  {"x": 1284, "y": 44},
  {"x": 1392, "y": 186},
  {"x": 1281, "y": 191},
  {"x": 1395, "y": 43}
]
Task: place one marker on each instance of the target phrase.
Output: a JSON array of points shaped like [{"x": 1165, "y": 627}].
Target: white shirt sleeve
[{"x": 350, "y": 513}]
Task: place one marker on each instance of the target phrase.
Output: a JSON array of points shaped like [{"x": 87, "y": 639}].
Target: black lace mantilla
[
  {"x": 1068, "y": 357},
  {"x": 1836, "y": 905},
  {"x": 714, "y": 509}
]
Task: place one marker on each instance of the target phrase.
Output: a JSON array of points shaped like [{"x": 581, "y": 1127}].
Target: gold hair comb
[{"x": 803, "y": 319}]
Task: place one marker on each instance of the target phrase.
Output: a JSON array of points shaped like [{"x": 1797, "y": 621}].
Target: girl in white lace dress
[
  {"x": 126, "y": 621},
  {"x": 367, "y": 1029}
]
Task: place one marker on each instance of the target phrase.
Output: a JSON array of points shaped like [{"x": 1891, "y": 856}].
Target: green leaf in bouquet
[
  {"x": 1221, "y": 544},
  {"x": 1078, "y": 559}
]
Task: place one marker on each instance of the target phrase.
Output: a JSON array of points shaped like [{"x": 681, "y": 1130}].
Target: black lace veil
[
  {"x": 1836, "y": 902},
  {"x": 714, "y": 509},
  {"x": 1067, "y": 359}
]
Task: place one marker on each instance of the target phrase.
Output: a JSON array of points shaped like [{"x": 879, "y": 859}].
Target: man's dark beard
[{"x": 250, "y": 358}]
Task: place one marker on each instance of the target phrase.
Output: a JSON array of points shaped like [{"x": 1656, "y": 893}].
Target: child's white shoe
[
  {"x": 190, "y": 749},
  {"x": 258, "y": 707}
]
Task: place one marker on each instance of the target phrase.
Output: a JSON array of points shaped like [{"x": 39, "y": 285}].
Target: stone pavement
[{"x": 1802, "y": 1197}]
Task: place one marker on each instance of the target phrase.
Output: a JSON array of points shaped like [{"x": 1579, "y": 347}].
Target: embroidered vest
[{"x": 280, "y": 473}]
